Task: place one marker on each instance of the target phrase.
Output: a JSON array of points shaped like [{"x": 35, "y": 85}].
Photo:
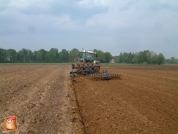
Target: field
[
  {"x": 46, "y": 100},
  {"x": 39, "y": 96}
]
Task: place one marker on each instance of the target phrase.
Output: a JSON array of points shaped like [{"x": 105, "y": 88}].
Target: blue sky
[{"x": 108, "y": 25}]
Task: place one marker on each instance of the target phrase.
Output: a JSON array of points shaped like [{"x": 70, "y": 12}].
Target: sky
[{"x": 113, "y": 26}]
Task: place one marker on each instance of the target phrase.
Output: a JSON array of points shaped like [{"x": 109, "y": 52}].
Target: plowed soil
[
  {"x": 41, "y": 98},
  {"x": 46, "y": 100},
  {"x": 144, "y": 101}
]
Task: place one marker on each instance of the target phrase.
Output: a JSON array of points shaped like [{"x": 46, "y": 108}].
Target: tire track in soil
[
  {"x": 78, "y": 106},
  {"x": 50, "y": 118}
]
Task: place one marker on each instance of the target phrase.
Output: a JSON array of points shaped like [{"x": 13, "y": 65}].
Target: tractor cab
[{"x": 88, "y": 56}]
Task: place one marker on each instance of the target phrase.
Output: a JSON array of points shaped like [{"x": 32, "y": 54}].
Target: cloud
[
  {"x": 116, "y": 26},
  {"x": 4, "y": 4},
  {"x": 128, "y": 14},
  {"x": 16, "y": 22},
  {"x": 92, "y": 3},
  {"x": 115, "y": 19}
]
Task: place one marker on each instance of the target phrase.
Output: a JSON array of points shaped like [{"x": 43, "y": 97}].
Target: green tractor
[{"x": 86, "y": 63}]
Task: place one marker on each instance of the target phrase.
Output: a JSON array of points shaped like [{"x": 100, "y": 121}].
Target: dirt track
[
  {"x": 43, "y": 99},
  {"x": 145, "y": 101}
]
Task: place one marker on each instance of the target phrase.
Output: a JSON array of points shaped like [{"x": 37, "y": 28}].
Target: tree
[
  {"x": 11, "y": 55},
  {"x": 121, "y": 58},
  {"x": 101, "y": 55},
  {"x": 135, "y": 59},
  {"x": 73, "y": 54},
  {"x": 29, "y": 57},
  {"x": 40, "y": 57},
  {"x": 125, "y": 59},
  {"x": 2, "y": 55},
  {"x": 148, "y": 57},
  {"x": 53, "y": 55},
  {"x": 63, "y": 56},
  {"x": 108, "y": 57},
  {"x": 160, "y": 59},
  {"x": 172, "y": 60},
  {"x": 130, "y": 57},
  {"x": 22, "y": 55},
  {"x": 35, "y": 56},
  {"x": 154, "y": 59}
]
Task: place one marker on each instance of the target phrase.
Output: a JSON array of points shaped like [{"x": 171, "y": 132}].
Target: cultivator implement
[
  {"x": 105, "y": 76},
  {"x": 82, "y": 72},
  {"x": 87, "y": 64}
]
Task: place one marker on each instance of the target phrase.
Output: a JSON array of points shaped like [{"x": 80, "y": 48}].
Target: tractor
[{"x": 87, "y": 64}]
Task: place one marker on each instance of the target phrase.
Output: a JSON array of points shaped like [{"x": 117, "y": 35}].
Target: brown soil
[
  {"x": 145, "y": 101},
  {"x": 46, "y": 100},
  {"x": 41, "y": 97}
]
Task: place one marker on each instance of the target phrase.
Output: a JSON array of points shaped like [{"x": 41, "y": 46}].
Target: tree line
[
  {"x": 43, "y": 56},
  {"x": 144, "y": 57},
  {"x": 65, "y": 56}
]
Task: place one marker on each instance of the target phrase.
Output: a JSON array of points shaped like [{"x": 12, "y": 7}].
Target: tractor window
[
  {"x": 80, "y": 54},
  {"x": 87, "y": 55}
]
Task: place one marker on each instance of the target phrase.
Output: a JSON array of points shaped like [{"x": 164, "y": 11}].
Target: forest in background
[{"x": 65, "y": 56}]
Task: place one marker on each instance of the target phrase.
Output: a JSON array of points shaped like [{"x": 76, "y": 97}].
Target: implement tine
[
  {"x": 95, "y": 76},
  {"x": 117, "y": 75},
  {"x": 114, "y": 76},
  {"x": 102, "y": 76},
  {"x": 111, "y": 75},
  {"x": 105, "y": 76},
  {"x": 98, "y": 76},
  {"x": 120, "y": 76}
]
